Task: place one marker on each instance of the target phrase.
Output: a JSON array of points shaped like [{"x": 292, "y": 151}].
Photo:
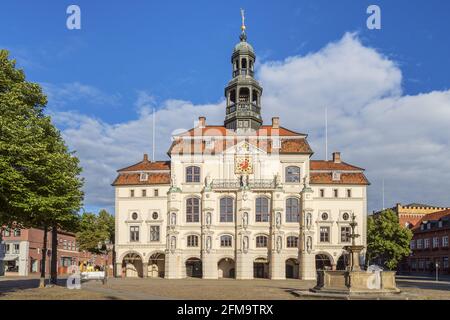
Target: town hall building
[{"x": 242, "y": 199}]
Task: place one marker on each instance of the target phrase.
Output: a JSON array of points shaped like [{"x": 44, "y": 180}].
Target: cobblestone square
[{"x": 193, "y": 289}]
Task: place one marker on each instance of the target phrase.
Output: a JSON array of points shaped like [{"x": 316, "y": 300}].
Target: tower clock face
[{"x": 243, "y": 165}]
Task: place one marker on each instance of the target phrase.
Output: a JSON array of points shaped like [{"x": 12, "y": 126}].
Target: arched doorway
[
  {"x": 194, "y": 268},
  {"x": 292, "y": 268},
  {"x": 226, "y": 268},
  {"x": 323, "y": 262},
  {"x": 132, "y": 265},
  {"x": 156, "y": 265},
  {"x": 261, "y": 268},
  {"x": 342, "y": 262}
]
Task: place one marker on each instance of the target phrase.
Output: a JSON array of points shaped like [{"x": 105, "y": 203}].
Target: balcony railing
[
  {"x": 220, "y": 184},
  {"x": 243, "y": 72},
  {"x": 262, "y": 184},
  {"x": 258, "y": 184}
]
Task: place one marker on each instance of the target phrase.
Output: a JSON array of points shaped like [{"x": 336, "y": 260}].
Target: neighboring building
[
  {"x": 238, "y": 200},
  {"x": 23, "y": 251},
  {"x": 409, "y": 215},
  {"x": 429, "y": 245}
]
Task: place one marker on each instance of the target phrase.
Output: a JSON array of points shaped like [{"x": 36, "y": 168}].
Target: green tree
[
  {"x": 95, "y": 229},
  {"x": 387, "y": 241},
  {"x": 39, "y": 178},
  {"x": 21, "y": 133}
]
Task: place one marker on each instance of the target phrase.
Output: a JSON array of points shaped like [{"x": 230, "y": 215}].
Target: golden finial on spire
[{"x": 243, "y": 19}]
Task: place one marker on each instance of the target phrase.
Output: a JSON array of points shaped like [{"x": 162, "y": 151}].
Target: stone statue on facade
[{"x": 245, "y": 220}]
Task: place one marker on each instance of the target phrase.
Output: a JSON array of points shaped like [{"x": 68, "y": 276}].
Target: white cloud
[
  {"x": 403, "y": 139},
  {"x": 60, "y": 96}
]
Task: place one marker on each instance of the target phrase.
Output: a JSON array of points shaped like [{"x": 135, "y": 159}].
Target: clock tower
[{"x": 243, "y": 93}]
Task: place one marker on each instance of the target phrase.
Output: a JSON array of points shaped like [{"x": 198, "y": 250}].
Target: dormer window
[
  {"x": 143, "y": 176},
  {"x": 336, "y": 176}
]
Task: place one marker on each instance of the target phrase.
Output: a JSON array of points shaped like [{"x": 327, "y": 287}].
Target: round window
[
  {"x": 134, "y": 216},
  {"x": 324, "y": 216},
  {"x": 345, "y": 216},
  {"x": 155, "y": 215}
]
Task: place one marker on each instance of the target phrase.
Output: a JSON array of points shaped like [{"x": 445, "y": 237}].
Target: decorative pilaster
[
  {"x": 277, "y": 263},
  {"x": 306, "y": 257},
  {"x": 244, "y": 263}
]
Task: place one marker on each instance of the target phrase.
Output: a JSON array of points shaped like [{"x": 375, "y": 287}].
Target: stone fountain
[{"x": 354, "y": 281}]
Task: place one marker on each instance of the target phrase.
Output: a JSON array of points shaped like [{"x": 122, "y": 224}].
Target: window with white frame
[
  {"x": 16, "y": 248},
  {"x": 261, "y": 241},
  {"x": 445, "y": 262},
  {"x": 419, "y": 243},
  {"x": 324, "y": 234},
  {"x": 192, "y": 241},
  {"x": 154, "y": 233},
  {"x": 262, "y": 209},
  {"x": 192, "y": 210},
  {"x": 435, "y": 242},
  {"x": 426, "y": 243},
  {"x": 143, "y": 176},
  {"x": 292, "y": 242},
  {"x": 445, "y": 241},
  {"x": 292, "y": 210},
  {"x": 134, "y": 234},
  {"x": 192, "y": 174},
  {"x": 226, "y": 209},
  {"x": 412, "y": 244},
  {"x": 226, "y": 241},
  {"x": 292, "y": 174}
]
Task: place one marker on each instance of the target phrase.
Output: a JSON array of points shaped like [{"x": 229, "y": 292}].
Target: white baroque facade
[{"x": 240, "y": 200}]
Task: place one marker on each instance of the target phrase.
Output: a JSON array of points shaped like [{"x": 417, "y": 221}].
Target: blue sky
[{"x": 147, "y": 53}]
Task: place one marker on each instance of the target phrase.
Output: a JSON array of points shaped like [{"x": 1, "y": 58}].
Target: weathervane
[
  {"x": 243, "y": 36},
  {"x": 243, "y": 19}
]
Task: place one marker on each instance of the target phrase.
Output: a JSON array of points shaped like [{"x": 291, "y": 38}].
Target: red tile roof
[
  {"x": 127, "y": 179},
  {"x": 357, "y": 178},
  {"x": 432, "y": 217},
  {"x": 266, "y": 130},
  {"x": 147, "y": 166},
  {"x": 330, "y": 165}
]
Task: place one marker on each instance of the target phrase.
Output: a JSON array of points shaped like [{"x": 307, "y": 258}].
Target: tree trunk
[
  {"x": 54, "y": 262},
  {"x": 44, "y": 256},
  {"x": 2, "y": 265}
]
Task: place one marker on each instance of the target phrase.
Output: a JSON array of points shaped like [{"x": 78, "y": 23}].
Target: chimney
[
  {"x": 276, "y": 123},
  {"x": 201, "y": 122},
  {"x": 336, "y": 157},
  {"x": 145, "y": 157}
]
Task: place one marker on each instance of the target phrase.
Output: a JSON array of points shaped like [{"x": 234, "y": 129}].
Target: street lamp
[{"x": 105, "y": 247}]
